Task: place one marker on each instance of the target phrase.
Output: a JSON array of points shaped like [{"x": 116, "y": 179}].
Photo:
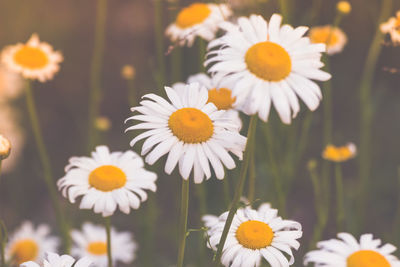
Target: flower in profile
[
  {"x": 334, "y": 38},
  {"x": 30, "y": 244},
  {"x": 107, "y": 180},
  {"x": 91, "y": 243},
  {"x": 392, "y": 27},
  {"x": 198, "y": 19},
  {"x": 254, "y": 235},
  {"x": 219, "y": 93},
  {"x": 348, "y": 252},
  {"x": 11, "y": 85},
  {"x": 341, "y": 153},
  {"x": 5, "y": 147},
  {"x": 55, "y": 260},
  {"x": 190, "y": 130},
  {"x": 34, "y": 60},
  {"x": 343, "y": 7},
  {"x": 268, "y": 63}
]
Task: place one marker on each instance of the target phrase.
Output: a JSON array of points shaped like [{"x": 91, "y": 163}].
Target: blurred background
[{"x": 131, "y": 39}]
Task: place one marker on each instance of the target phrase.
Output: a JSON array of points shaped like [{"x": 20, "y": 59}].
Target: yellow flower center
[
  {"x": 24, "y": 250},
  {"x": 31, "y": 57},
  {"x": 107, "y": 178},
  {"x": 97, "y": 248},
  {"x": 367, "y": 258},
  {"x": 268, "y": 61},
  {"x": 338, "y": 154},
  {"x": 326, "y": 35},
  {"x": 194, "y": 14},
  {"x": 191, "y": 125},
  {"x": 254, "y": 235},
  {"x": 221, "y": 98}
]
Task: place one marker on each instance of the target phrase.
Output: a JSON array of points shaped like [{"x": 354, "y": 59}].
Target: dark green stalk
[
  {"x": 159, "y": 32},
  {"x": 108, "y": 233},
  {"x": 339, "y": 197},
  {"x": 183, "y": 221}
]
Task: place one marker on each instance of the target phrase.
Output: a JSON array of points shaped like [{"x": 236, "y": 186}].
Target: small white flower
[
  {"x": 34, "y": 60},
  {"x": 333, "y": 37},
  {"x": 392, "y": 27},
  {"x": 348, "y": 252},
  {"x": 191, "y": 131},
  {"x": 55, "y": 260},
  {"x": 198, "y": 19},
  {"x": 107, "y": 181},
  {"x": 30, "y": 244},
  {"x": 268, "y": 64},
  {"x": 91, "y": 242}
]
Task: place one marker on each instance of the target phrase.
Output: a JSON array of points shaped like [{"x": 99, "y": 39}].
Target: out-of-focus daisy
[
  {"x": 343, "y": 7},
  {"x": 107, "y": 180},
  {"x": 55, "y": 260},
  {"x": 268, "y": 63},
  {"x": 341, "y": 153},
  {"x": 348, "y": 252},
  {"x": 91, "y": 242},
  {"x": 254, "y": 235},
  {"x": 5, "y": 147},
  {"x": 219, "y": 93},
  {"x": 34, "y": 60},
  {"x": 190, "y": 130},
  {"x": 334, "y": 38},
  {"x": 392, "y": 27},
  {"x": 198, "y": 19},
  {"x": 11, "y": 84},
  {"x": 30, "y": 244}
]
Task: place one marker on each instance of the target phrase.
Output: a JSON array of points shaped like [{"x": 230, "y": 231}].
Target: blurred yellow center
[
  {"x": 31, "y": 57},
  {"x": 367, "y": 258},
  {"x": 221, "y": 98},
  {"x": 338, "y": 154},
  {"x": 254, "y": 235},
  {"x": 25, "y": 250},
  {"x": 268, "y": 61},
  {"x": 107, "y": 178},
  {"x": 191, "y": 125},
  {"x": 192, "y": 15},
  {"x": 325, "y": 35},
  {"x": 97, "y": 248}
]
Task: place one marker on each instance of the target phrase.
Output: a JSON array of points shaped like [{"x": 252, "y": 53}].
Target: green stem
[
  {"x": 159, "y": 32},
  {"x": 252, "y": 179},
  {"x": 3, "y": 242},
  {"x": 239, "y": 187},
  {"x": 45, "y": 161},
  {"x": 396, "y": 224},
  {"x": 183, "y": 221},
  {"x": 339, "y": 197},
  {"x": 202, "y": 46},
  {"x": 107, "y": 221},
  {"x": 131, "y": 92},
  {"x": 366, "y": 111},
  {"x": 284, "y": 8},
  {"x": 176, "y": 54},
  {"x": 95, "y": 73},
  {"x": 327, "y": 106},
  {"x": 202, "y": 200}
]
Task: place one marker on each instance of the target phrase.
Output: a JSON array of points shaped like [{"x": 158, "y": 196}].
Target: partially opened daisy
[
  {"x": 107, "y": 180},
  {"x": 392, "y": 27},
  {"x": 333, "y": 37},
  {"x": 339, "y": 153},
  {"x": 255, "y": 235},
  {"x": 191, "y": 131},
  {"x": 269, "y": 64},
  {"x": 198, "y": 19},
  {"x": 219, "y": 93},
  {"x": 55, "y": 260},
  {"x": 28, "y": 243},
  {"x": 348, "y": 252},
  {"x": 91, "y": 242},
  {"x": 34, "y": 60}
]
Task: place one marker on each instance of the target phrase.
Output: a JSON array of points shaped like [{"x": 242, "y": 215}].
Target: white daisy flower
[
  {"x": 348, "y": 252},
  {"x": 190, "y": 130},
  {"x": 254, "y": 235},
  {"x": 107, "y": 180},
  {"x": 219, "y": 93},
  {"x": 392, "y": 27},
  {"x": 30, "y": 244},
  {"x": 198, "y": 19},
  {"x": 34, "y": 60},
  {"x": 91, "y": 242},
  {"x": 55, "y": 260},
  {"x": 268, "y": 63},
  {"x": 333, "y": 37}
]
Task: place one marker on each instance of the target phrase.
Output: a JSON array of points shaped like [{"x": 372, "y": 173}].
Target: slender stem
[
  {"x": 202, "y": 200},
  {"x": 284, "y": 8},
  {"x": 327, "y": 106},
  {"x": 339, "y": 197},
  {"x": 396, "y": 224},
  {"x": 107, "y": 221},
  {"x": 239, "y": 187},
  {"x": 183, "y": 221},
  {"x": 131, "y": 92},
  {"x": 45, "y": 161},
  {"x": 252, "y": 179},
  {"x": 95, "y": 73},
  {"x": 176, "y": 54},
  {"x": 3, "y": 242},
  {"x": 202, "y": 46},
  {"x": 159, "y": 32},
  {"x": 366, "y": 111}
]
